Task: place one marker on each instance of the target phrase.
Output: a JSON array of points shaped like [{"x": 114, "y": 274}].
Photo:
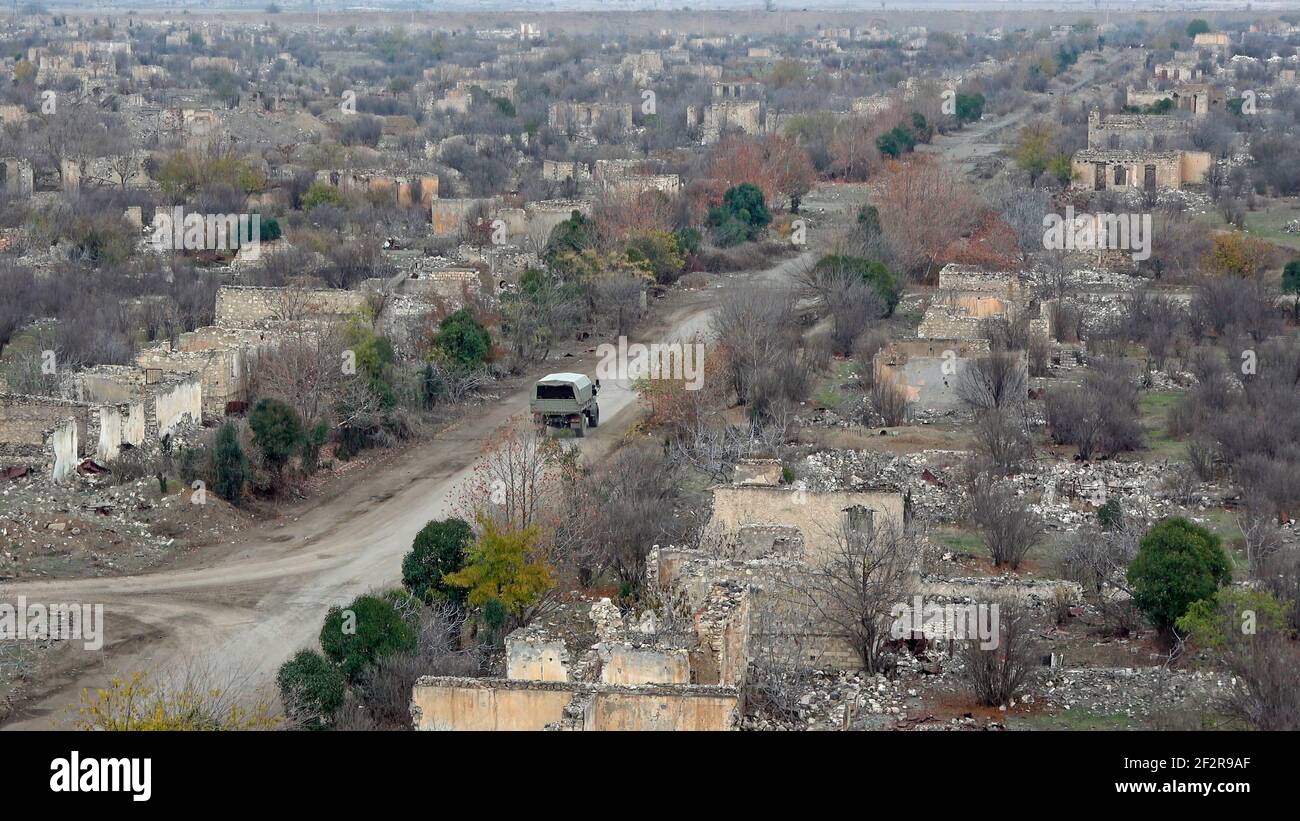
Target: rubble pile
[
  {"x": 98, "y": 527},
  {"x": 1132, "y": 691}
]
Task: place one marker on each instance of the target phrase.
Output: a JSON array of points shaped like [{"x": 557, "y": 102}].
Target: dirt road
[
  {"x": 235, "y": 613},
  {"x": 966, "y": 148}
]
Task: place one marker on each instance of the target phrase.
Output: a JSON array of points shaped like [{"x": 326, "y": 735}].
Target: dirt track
[{"x": 235, "y": 613}]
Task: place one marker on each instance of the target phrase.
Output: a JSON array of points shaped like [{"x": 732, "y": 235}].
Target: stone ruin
[
  {"x": 955, "y": 330},
  {"x": 643, "y": 676}
]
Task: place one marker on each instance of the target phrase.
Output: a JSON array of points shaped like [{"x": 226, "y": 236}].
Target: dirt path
[
  {"x": 989, "y": 137},
  {"x": 236, "y": 612}
]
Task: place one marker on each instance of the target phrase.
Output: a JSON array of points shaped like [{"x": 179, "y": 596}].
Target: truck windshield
[{"x": 554, "y": 391}]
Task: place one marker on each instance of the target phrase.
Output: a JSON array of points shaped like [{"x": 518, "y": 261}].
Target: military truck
[{"x": 566, "y": 400}]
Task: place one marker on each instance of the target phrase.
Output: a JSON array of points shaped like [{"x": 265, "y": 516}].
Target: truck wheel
[
  {"x": 580, "y": 429},
  {"x": 594, "y": 418}
]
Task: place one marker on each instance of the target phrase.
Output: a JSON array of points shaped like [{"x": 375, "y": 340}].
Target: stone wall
[
  {"x": 1104, "y": 169},
  {"x": 721, "y": 117},
  {"x": 761, "y": 619},
  {"x": 448, "y": 216},
  {"x": 942, "y": 321},
  {"x": 955, "y": 277},
  {"x": 42, "y": 432},
  {"x": 561, "y": 170},
  {"x": 817, "y": 516},
  {"x": 1137, "y": 132},
  {"x": 242, "y": 306}
]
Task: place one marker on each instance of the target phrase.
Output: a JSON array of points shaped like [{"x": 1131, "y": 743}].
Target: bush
[
  {"x": 996, "y": 381},
  {"x": 230, "y": 469},
  {"x": 871, "y": 272},
  {"x": 659, "y": 253},
  {"x": 311, "y": 689},
  {"x": 439, "y": 549},
  {"x": 268, "y": 229},
  {"x": 321, "y": 193},
  {"x": 970, "y": 107},
  {"x": 463, "y": 339},
  {"x": 889, "y": 399},
  {"x": 742, "y": 215},
  {"x": 367, "y": 630},
  {"x": 277, "y": 432},
  {"x": 569, "y": 238},
  {"x": 1002, "y": 439},
  {"x": 1177, "y": 563},
  {"x": 1109, "y": 515},
  {"x": 1098, "y": 417}
]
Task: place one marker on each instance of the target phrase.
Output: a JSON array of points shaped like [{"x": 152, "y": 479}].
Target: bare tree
[
  {"x": 305, "y": 371},
  {"x": 853, "y": 306},
  {"x": 756, "y": 328},
  {"x": 998, "y": 380},
  {"x": 1001, "y": 437},
  {"x": 514, "y": 480},
  {"x": 1156, "y": 321},
  {"x": 997, "y": 674},
  {"x": 1010, "y": 529},
  {"x": 1100, "y": 415},
  {"x": 889, "y": 399},
  {"x": 850, "y": 594},
  {"x": 625, "y": 506},
  {"x": 1266, "y": 668}
]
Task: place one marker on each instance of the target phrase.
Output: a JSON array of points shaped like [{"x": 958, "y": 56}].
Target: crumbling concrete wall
[
  {"x": 136, "y": 408},
  {"x": 445, "y": 703},
  {"x": 1122, "y": 170},
  {"x": 743, "y": 611},
  {"x": 757, "y": 472},
  {"x": 133, "y": 427},
  {"x": 65, "y": 445},
  {"x": 928, "y": 369},
  {"x": 181, "y": 403},
  {"x": 110, "y": 434},
  {"x": 533, "y": 656},
  {"x": 16, "y": 177},
  {"x": 487, "y": 704},
  {"x": 697, "y": 709},
  {"x": 449, "y": 217},
  {"x": 755, "y": 541},
  {"x": 41, "y": 431},
  {"x": 628, "y": 664}
]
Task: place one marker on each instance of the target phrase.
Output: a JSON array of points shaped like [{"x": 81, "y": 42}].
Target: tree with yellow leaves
[
  {"x": 504, "y": 575},
  {"x": 1235, "y": 254}
]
